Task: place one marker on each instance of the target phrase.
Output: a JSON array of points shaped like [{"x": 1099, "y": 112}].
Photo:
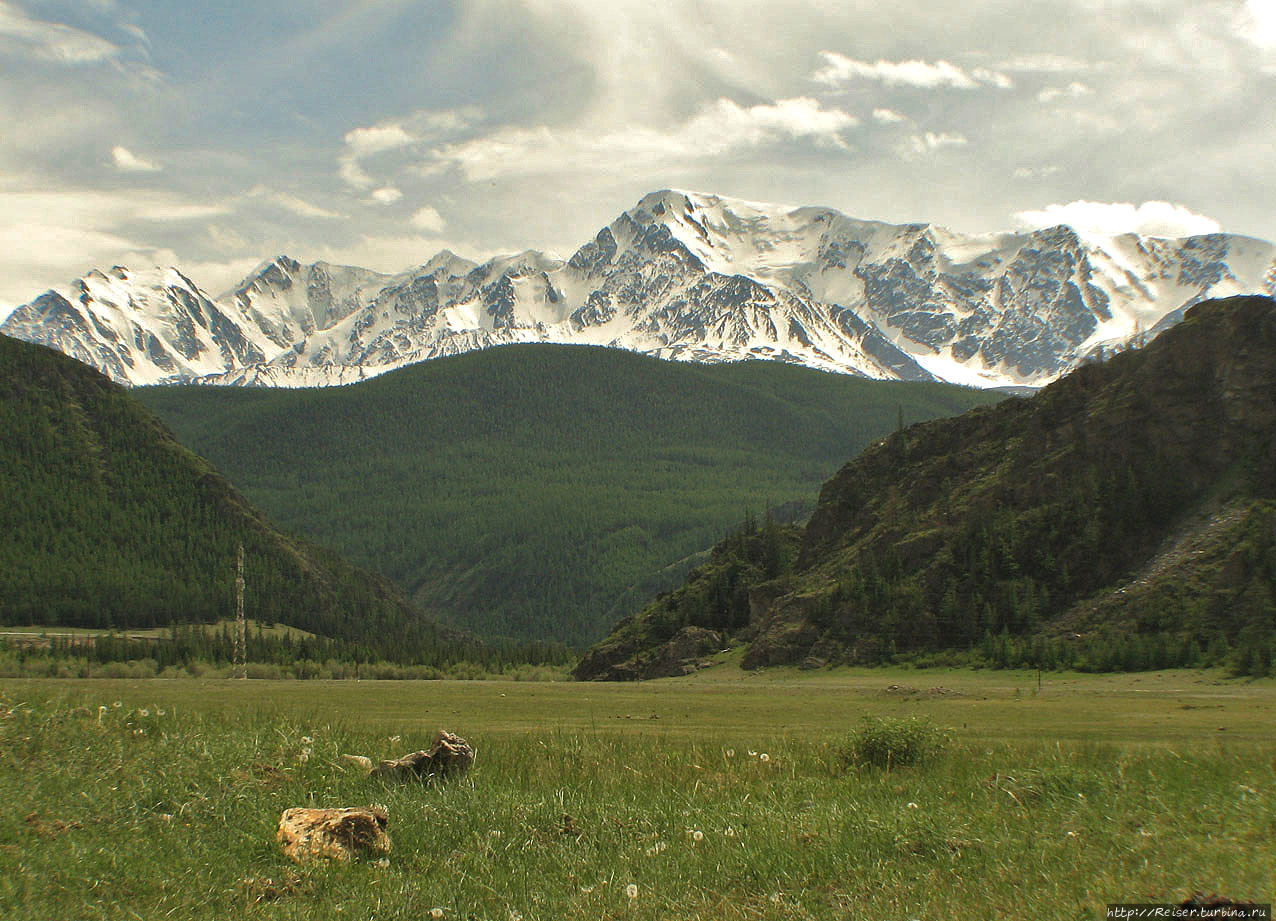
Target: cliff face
[{"x": 1136, "y": 496}]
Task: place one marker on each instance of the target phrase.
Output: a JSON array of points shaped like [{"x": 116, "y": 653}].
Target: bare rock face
[
  {"x": 449, "y": 756},
  {"x": 333, "y": 834}
]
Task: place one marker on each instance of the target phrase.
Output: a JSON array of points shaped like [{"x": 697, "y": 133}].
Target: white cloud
[
  {"x": 364, "y": 142},
  {"x": 1152, "y": 218},
  {"x": 1074, "y": 90},
  {"x": 428, "y": 220},
  {"x": 1037, "y": 172},
  {"x": 50, "y": 41},
  {"x": 396, "y": 134},
  {"x": 839, "y": 70},
  {"x": 128, "y": 162},
  {"x": 718, "y": 128},
  {"x": 49, "y": 237},
  {"x": 291, "y": 203},
  {"x": 386, "y": 195},
  {"x": 932, "y": 141},
  {"x": 993, "y": 78},
  {"x": 888, "y": 117},
  {"x": 1045, "y": 63},
  {"x": 1256, "y": 22}
]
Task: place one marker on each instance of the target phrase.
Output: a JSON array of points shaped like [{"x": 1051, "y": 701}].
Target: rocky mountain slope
[
  {"x": 682, "y": 275},
  {"x": 1133, "y": 498}
]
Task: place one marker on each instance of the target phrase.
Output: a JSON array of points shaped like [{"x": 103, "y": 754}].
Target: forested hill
[
  {"x": 1123, "y": 517},
  {"x": 542, "y": 491},
  {"x": 109, "y": 522}
]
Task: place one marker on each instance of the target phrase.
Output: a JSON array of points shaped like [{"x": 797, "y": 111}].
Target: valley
[{"x": 538, "y": 491}]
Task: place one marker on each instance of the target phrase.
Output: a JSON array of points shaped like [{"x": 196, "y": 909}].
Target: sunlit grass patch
[{"x": 136, "y": 811}]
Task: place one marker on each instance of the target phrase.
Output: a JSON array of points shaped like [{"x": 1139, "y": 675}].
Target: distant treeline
[{"x": 195, "y": 649}]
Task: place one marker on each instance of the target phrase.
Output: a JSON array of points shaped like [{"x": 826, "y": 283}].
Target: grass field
[{"x": 1045, "y": 804}]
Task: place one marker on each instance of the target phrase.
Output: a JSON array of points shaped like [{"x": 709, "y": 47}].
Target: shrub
[{"x": 892, "y": 742}]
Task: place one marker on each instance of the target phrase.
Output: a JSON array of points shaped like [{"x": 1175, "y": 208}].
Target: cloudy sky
[{"x": 214, "y": 133}]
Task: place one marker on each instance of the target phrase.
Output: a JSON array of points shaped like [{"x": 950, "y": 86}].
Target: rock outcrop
[
  {"x": 449, "y": 756},
  {"x": 334, "y": 834}
]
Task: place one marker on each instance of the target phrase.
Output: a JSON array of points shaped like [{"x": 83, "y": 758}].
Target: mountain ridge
[
  {"x": 1129, "y": 500},
  {"x": 538, "y": 490},
  {"x": 111, "y": 523},
  {"x": 681, "y": 275}
]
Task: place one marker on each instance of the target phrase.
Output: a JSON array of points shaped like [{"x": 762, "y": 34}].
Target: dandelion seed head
[
  {"x": 632, "y": 891},
  {"x": 436, "y": 912},
  {"x": 697, "y": 835}
]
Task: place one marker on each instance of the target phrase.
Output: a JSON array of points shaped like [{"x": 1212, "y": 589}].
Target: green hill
[
  {"x": 541, "y": 491},
  {"x": 110, "y": 523},
  {"x": 1124, "y": 517}
]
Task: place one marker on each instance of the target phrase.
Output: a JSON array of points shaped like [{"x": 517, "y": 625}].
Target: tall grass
[{"x": 132, "y": 812}]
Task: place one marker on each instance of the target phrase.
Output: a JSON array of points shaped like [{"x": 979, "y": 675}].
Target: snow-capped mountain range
[{"x": 682, "y": 275}]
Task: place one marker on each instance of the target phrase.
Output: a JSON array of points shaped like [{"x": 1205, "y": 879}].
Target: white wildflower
[
  {"x": 730, "y": 832},
  {"x": 730, "y": 752},
  {"x": 632, "y": 891},
  {"x": 143, "y": 712},
  {"x": 306, "y": 740},
  {"x": 764, "y": 757},
  {"x": 697, "y": 835},
  {"x": 436, "y": 912}
]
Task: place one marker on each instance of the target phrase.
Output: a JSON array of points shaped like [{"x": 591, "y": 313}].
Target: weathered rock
[
  {"x": 448, "y": 756},
  {"x": 333, "y": 834}
]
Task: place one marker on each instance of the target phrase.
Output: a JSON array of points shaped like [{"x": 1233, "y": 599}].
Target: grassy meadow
[{"x": 643, "y": 801}]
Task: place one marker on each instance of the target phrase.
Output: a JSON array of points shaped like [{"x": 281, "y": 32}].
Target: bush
[{"x": 892, "y": 742}]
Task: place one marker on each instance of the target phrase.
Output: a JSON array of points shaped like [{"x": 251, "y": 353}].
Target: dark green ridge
[
  {"x": 542, "y": 491},
  {"x": 1124, "y": 517},
  {"x": 109, "y": 522}
]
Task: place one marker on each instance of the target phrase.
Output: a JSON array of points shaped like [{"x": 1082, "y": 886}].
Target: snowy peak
[
  {"x": 681, "y": 275},
  {"x": 146, "y": 326}
]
